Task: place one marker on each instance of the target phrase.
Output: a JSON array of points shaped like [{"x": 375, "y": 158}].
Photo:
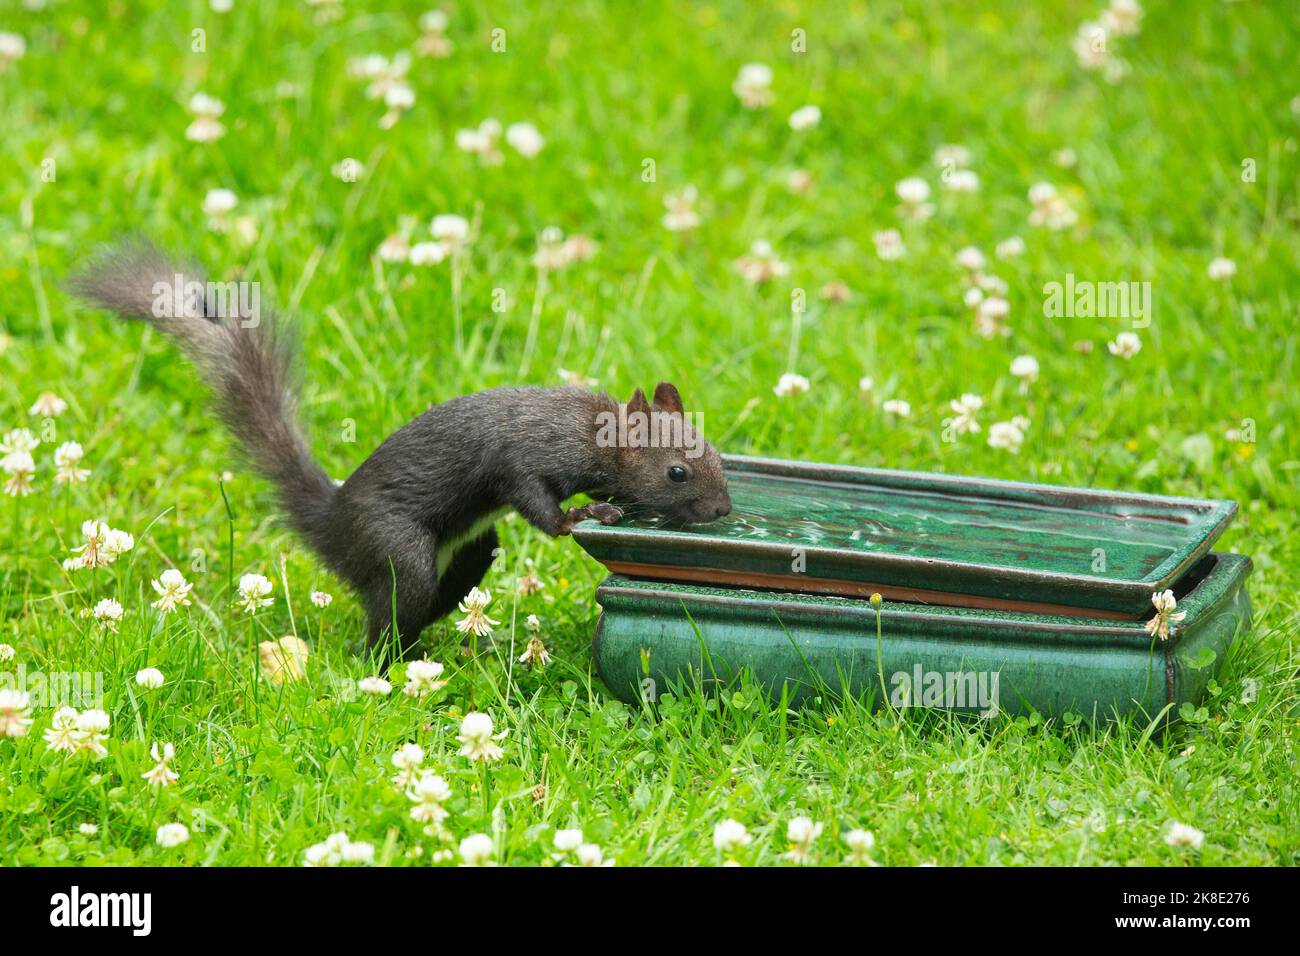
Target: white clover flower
[
  {"x": 7, "y": 653},
  {"x": 88, "y": 829},
  {"x": 1123, "y": 17},
  {"x": 338, "y": 850},
  {"x": 762, "y": 264},
  {"x": 836, "y": 291},
  {"x": 218, "y": 202},
  {"x": 407, "y": 759},
  {"x": 525, "y": 139},
  {"x": 12, "y": 47},
  {"x": 348, "y": 170},
  {"x": 375, "y": 686},
  {"x": 108, "y": 614},
  {"x": 358, "y": 853},
  {"x": 970, "y": 259},
  {"x": 989, "y": 316},
  {"x": 428, "y": 794},
  {"x": 18, "y": 440},
  {"x": 161, "y": 774},
  {"x": 477, "y": 739},
  {"x": 1183, "y": 834},
  {"x": 422, "y": 678},
  {"x": 889, "y": 244},
  {"x": 151, "y": 678},
  {"x": 474, "y": 607},
  {"x": 171, "y": 835},
  {"x": 398, "y": 99},
  {"x": 1126, "y": 345},
  {"x": 92, "y": 733},
  {"x": 48, "y": 405},
  {"x": 866, "y": 384},
  {"x": 205, "y": 128},
  {"x": 1220, "y": 269},
  {"x": 451, "y": 230},
  {"x": 173, "y": 591},
  {"x": 569, "y": 377},
  {"x": 914, "y": 193},
  {"x": 566, "y": 841},
  {"x": 1025, "y": 368},
  {"x": 897, "y": 407},
  {"x": 791, "y": 383},
  {"x": 322, "y": 599},
  {"x": 1008, "y": 436},
  {"x": 681, "y": 215},
  {"x": 1010, "y": 248},
  {"x": 730, "y": 835},
  {"x": 964, "y": 410},
  {"x": 1164, "y": 603},
  {"x": 482, "y": 142},
  {"x": 201, "y": 104},
  {"x": 394, "y": 248},
  {"x": 67, "y": 459},
  {"x": 427, "y": 253},
  {"x": 805, "y": 117},
  {"x": 254, "y": 592},
  {"x": 860, "y": 843},
  {"x": 62, "y": 735},
  {"x": 753, "y": 85},
  {"x": 1090, "y": 46},
  {"x": 961, "y": 181},
  {"x": 477, "y": 850},
  {"x": 21, "y": 469},
  {"x": 951, "y": 156},
  {"x": 799, "y": 181},
  {"x": 15, "y": 713},
  {"x": 433, "y": 35},
  {"x": 1049, "y": 208},
  {"x": 118, "y": 542},
  {"x": 536, "y": 654},
  {"x": 430, "y": 787},
  {"x": 588, "y": 854},
  {"x": 95, "y": 552},
  {"x": 801, "y": 832},
  {"x": 992, "y": 284}
]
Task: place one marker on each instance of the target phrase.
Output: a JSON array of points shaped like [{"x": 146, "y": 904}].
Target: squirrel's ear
[
  {"x": 638, "y": 403},
  {"x": 666, "y": 397}
]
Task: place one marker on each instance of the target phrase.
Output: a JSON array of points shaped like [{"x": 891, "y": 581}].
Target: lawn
[{"x": 1178, "y": 149}]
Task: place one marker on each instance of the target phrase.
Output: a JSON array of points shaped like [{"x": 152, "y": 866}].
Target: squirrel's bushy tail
[{"x": 244, "y": 358}]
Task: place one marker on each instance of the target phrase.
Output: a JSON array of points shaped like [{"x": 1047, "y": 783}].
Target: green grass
[{"x": 267, "y": 771}]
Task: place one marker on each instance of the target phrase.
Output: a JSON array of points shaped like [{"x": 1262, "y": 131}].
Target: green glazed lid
[{"x": 925, "y": 538}]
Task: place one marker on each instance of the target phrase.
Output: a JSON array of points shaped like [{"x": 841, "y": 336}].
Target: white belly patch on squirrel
[{"x": 446, "y": 549}]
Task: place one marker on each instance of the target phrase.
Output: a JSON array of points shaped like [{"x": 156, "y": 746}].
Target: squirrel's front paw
[
  {"x": 600, "y": 510},
  {"x": 606, "y": 513}
]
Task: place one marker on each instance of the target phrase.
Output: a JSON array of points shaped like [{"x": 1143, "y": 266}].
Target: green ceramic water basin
[{"x": 934, "y": 539}]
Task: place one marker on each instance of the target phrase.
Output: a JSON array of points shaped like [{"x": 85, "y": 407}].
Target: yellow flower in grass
[{"x": 284, "y": 660}]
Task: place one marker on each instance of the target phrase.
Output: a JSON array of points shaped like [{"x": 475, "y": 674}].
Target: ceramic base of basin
[{"x": 654, "y": 635}]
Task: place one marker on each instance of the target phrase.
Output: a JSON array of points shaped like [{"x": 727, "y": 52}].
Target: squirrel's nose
[{"x": 722, "y": 510}]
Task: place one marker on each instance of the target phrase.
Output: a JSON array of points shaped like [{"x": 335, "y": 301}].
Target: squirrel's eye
[{"x": 677, "y": 473}]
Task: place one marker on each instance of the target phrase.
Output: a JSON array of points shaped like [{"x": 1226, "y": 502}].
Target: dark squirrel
[{"x": 412, "y": 529}]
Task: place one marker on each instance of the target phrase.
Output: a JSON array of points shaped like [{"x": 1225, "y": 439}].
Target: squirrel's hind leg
[
  {"x": 400, "y": 601},
  {"x": 419, "y": 597},
  {"x": 465, "y": 571}
]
